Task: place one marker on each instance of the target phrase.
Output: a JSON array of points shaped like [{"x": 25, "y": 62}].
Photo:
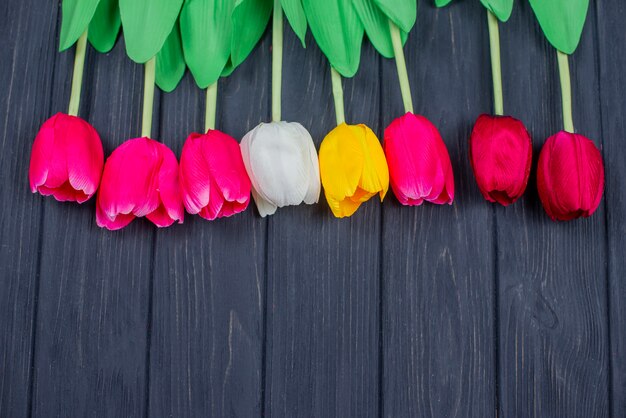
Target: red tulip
[
  {"x": 66, "y": 159},
  {"x": 140, "y": 179},
  {"x": 213, "y": 179},
  {"x": 570, "y": 176},
  {"x": 501, "y": 156},
  {"x": 419, "y": 164}
]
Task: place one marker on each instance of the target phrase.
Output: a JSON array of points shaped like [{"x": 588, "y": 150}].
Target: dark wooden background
[{"x": 471, "y": 310}]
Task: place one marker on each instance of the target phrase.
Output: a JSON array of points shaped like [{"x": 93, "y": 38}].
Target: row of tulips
[{"x": 277, "y": 162}]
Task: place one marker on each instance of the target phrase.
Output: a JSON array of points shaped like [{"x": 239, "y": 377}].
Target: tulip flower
[
  {"x": 282, "y": 164},
  {"x": 501, "y": 156},
  {"x": 66, "y": 159},
  {"x": 419, "y": 164},
  {"x": 213, "y": 179},
  {"x": 570, "y": 176},
  {"x": 140, "y": 178},
  {"x": 353, "y": 168}
]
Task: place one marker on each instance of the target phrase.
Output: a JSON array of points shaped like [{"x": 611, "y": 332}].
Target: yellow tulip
[{"x": 353, "y": 168}]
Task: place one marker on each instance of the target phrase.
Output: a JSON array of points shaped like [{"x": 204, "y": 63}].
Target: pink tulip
[
  {"x": 213, "y": 179},
  {"x": 140, "y": 179},
  {"x": 419, "y": 164},
  {"x": 66, "y": 159}
]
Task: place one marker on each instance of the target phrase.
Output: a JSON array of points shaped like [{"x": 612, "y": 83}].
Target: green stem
[
  {"x": 77, "y": 77},
  {"x": 211, "y": 107},
  {"x": 403, "y": 76},
  {"x": 496, "y": 68},
  {"x": 148, "y": 98},
  {"x": 338, "y": 96},
  {"x": 277, "y": 60},
  {"x": 566, "y": 91}
]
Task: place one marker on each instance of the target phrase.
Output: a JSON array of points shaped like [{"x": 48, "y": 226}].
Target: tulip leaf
[
  {"x": 500, "y": 8},
  {"x": 147, "y": 24},
  {"x": 441, "y": 3},
  {"x": 376, "y": 24},
  {"x": 206, "y": 29},
  {"x": 562, "y": 21},
  {"x": 401, "y": 12},
  {"x": 296, "y": 17},
  {"x": 170, "y": 62},
  {"x": 105, "y": 25},
  {"x": 249, "y": 20},
  {"x": 338, "y": 31},
  {"x": 76, "y": 17}
]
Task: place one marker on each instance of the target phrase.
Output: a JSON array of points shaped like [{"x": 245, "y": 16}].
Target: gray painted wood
[
  {"x": 209, "y": 277},
  {"x": 28, "y": 54},
  {"x": 553, "y": 331},
  {"x": 438, "y": 261},
  {"x": 609, "y": 26}
]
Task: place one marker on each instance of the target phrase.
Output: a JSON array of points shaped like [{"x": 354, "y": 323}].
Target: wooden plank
[
  {"x": 28, "y": 44},
  {"x": 323, "y": 273},
  {"x": 207, "y": 332},
  {"x": 94, "y": 298},
  {"x": 553, "y": 349},
  {"x": 612, "y": 43},
  {"x": 438, "y": 261}
]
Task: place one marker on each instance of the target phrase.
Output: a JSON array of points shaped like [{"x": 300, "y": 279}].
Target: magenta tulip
[
  {"x": 213, "y": 179},
  {"x": 140, "y": 179},
  {"x": 66, "y": 160},
  {"x": 419, "y": 163}
]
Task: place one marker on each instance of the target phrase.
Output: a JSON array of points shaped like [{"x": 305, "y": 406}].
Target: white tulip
[{"x": 282, "y": 164}]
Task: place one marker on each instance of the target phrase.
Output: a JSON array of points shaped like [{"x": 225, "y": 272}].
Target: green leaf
[
  {"x": 376, "y": 23},
  {"x": 76, "y": 17},
  {"x": 441, "y": 3},
  {"x": 501, "y": 8},
  {"x": 562, "y": 21},
  {"x": 296, "y": 17},
  {"x": 206, "y": 29},
  {"x": 105, "y": 25},
  {"x": 338, "y": 31},
  {"x": 170, "y": 62},
  {"x": 249, "y": 19},
  {"x": 401, "y": 12},
  {"x": 147, "y": 24}
]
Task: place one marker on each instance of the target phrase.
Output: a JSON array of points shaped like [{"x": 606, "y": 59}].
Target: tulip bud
[
  {"x": 282, "y": 164},
  {"x": 140, "y": 178},
  {"x": 353, "y": 168},
  {"x": 419, "y": 163},
  {"x": 213, "y": 179},
  {"x": 501, "y": 156},
  {"x": 66, "y": 160},
  {"x": 570, "y": 176}
]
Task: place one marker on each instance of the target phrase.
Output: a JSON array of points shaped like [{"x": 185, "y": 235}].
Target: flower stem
[
  {"x": 496, "y": 68},
  {"x": 277, "y": 60},
  {"x": 148, "y": 98},
  {"x": 211, "y": 107},
  {"x": 566, "y": 91},
  {"x": 338, "y": 96},
  {"x": 77, "y": 77},
  {"x": 403, "y": 76}
]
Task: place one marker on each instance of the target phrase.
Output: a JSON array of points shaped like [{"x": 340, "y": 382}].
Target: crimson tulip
[
  {"x": 419, "y": 163},
  {"x": 140, "y": 178},
  {"x": 570, "y": 176},
  {"x": 66, "y": 160},
  {"x": 213, "y": 179},
  {"x": 501, "y": 156}
]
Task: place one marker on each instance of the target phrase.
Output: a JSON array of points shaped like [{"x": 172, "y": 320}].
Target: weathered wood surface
[{"x": 469, "y": 310}]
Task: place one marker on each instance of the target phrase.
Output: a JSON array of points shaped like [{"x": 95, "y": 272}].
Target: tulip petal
[
  {"x": 168, "y": 187},
  {"x": 194, "y": 175},
  {"x": 41, "y": 154},
  {"x": 264, "y": 206},
  {"x": 112, "y": 224}
]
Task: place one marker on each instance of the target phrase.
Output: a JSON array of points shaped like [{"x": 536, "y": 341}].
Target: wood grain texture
[
  {"x": 28, "y": 52},
  {"x": 90, "y": 356},
  {"x": 610, "y": 20},
  {"x": 553, "y": 345},
  {"x": 438, "y": 261},
  {"x": 209, "y": 277},
  {"x": 323, "y": 273}
]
